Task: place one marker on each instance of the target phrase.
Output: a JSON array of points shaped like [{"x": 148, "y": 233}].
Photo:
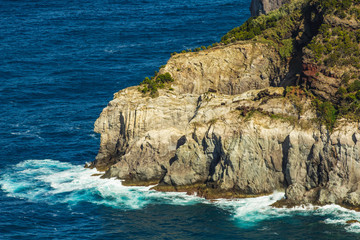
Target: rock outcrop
[
  {"x": 233, "y": 69},
  {"x": 252, "y": 143},
  {"x": 259, "y": 7},
  {"x": 224, "y": 127}
]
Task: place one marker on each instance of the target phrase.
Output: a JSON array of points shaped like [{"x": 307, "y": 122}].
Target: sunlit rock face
[{"x": 259, "y": 7}]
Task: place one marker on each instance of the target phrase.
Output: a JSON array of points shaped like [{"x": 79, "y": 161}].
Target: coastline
[{"x": 243, "y": 118}]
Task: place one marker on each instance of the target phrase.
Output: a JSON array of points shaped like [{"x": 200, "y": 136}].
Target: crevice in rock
[
  {"x": 312, "y": 21},
  {"x": 285, "y": 160}
]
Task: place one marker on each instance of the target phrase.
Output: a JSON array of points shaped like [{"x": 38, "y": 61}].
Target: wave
[
  {"x": 248, "y": 212},
  {"x": 56, "y": 182},
  {"x": 53, "y": 182}
]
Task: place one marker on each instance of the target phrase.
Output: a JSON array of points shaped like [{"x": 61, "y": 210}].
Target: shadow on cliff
[{"x": 302, "y": 36}]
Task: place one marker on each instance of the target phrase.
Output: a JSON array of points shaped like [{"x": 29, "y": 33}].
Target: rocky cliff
[
  {"x": 259, "y": 7},
  {"x": 226, "y": 127}
]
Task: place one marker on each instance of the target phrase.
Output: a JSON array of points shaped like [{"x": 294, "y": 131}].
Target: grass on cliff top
[
  {"x": 255, "y": 26},
  {"x": 274, "y": 28}
]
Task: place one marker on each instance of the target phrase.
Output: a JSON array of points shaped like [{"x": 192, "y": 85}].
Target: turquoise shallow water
[{"x": 60, "y": 63}]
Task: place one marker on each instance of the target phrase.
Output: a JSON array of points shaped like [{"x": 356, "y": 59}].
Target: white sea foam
[
  {"x": 250, "y": 211},
  {"x": 54, "y": 181},
  {"x": 339, "y": 215}
]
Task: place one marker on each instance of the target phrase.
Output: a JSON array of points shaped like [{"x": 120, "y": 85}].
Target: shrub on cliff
[
  {"x": 163, "y": 78},
  {"x": 286, "y": 49},
  {"x": 277, "y": 28},
  {"x": 327, "y": 113},
  {"x": 336, "y": 44},
  {"x": 154, "y": 83},
  {"x": 355, "y": 86}
]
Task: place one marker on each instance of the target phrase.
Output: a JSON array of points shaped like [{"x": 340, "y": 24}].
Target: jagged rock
[
  {"x": 259, "y": 7},
  {"x": 132, "y": 124},
  {"x": 206, "y": 140},
  {"x": 232, "y": 69},
  {"x": 227, "y": 129}
]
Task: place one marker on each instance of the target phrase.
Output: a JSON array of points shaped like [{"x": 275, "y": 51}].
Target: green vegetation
[
  {"x": 254, "y": 26},
  {"x": 280, "y": 28},
  {"x": 318, "y": 31},
  {"x": 327, "y": 113},
  {"x": 340, "y": 8},
  {"x": 337, "y": 46},
  {"x": 355, "y": 86},
  {"x": 154, "y": 83},
  {"x": 348, "y": 104},
  {"x": 198, "y": 49},
  {"x": 284, "y": 118},
  {"x": 286, "y": 49},
  {"x": 276, "y": 28}
]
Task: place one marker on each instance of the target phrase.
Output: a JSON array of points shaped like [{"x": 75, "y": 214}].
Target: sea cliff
[
  {"x": 259, "y": 7},
  {"x": 246, "y": 117}
]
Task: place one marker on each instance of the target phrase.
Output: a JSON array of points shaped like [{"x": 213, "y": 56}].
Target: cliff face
[
  {"x": 251, "y": 143},
  {"x": 233, "y": 69},
  {"x": 259, "y": 7},
  {"x": 225, "y": 128}
]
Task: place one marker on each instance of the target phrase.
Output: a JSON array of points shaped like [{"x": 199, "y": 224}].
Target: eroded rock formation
[
  {"x": 225, "y": 128},
  {"x": 252, "y": 143},
  {"x": 259, "y": 7}
]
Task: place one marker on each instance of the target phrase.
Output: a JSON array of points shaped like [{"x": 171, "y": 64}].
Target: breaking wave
[
  {"x": 60, "y": 182},
  {"x": 55, "y": 182}
]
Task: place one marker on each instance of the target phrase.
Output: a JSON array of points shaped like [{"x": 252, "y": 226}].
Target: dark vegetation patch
[
  {"x": 336, "y": 46},
  {"x": 277, "y": 28},
  {"x": 154, "y": 83}
]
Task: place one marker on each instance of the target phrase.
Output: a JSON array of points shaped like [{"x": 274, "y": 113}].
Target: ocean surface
[{"x": 60, "y": 63}]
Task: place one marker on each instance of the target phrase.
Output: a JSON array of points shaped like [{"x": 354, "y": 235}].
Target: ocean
[{"x": 60, "y": 63}]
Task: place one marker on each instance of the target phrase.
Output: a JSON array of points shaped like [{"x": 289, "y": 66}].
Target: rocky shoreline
[{"x": 231, "y": 125}]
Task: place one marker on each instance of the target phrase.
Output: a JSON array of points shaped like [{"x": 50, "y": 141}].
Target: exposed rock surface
[
  {"x": 259, "y": 7},
  {"x": 227, "y": 126},
  {"x": 132, "y": 124},
  {"x": 233, "y": 69},
  {"x": 244, "y": 143}
]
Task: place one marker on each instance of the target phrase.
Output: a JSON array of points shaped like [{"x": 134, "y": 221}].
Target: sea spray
[
  {"x": 60, "y": 182},
  {"x": 54, "y": 182},
  {"x": 249, "y": 211}
]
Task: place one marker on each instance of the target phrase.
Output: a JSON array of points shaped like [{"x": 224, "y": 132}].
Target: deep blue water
[{"x": 60, "y": 63}]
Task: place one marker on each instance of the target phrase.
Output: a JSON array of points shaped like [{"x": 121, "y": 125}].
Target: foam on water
[
  {"x": 339, "y": 215},
  {"x": 333, "y": 214},
  {"x": 55, "y": 182},
  {"x": 249, "y": 211},
  {"x": 59, "y": 182}
]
